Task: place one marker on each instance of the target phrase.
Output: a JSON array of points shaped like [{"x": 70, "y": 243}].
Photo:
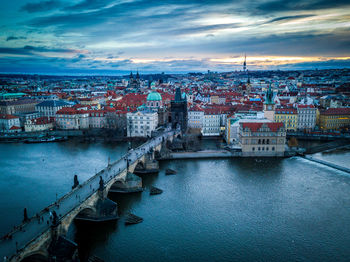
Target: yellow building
[
  {"x": 333, "y": 118},
  {"x": 288, "y": 116}
]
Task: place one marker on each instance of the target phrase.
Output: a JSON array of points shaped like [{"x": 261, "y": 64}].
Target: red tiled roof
[
  {"x": 306, "y": 106},
  {"x": 41, "y": 120},
  {"x": 3, "y": 116},
  {"x": 286, "y": 111},
  {"x": 274, "y": 127},
  {"x": 70, "y": 111},
  {"x": 15, "y": 128},
  {"x": 336, "y": 111}
]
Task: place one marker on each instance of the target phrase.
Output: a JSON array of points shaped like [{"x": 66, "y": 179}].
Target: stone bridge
[{"x": 36, "y": 238}]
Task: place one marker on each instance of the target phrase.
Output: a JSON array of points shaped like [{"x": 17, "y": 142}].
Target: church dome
[{"x": 154, "y": 96}]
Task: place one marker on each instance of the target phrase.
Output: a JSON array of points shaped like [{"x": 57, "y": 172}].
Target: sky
[{"x": 115, "y": 37}]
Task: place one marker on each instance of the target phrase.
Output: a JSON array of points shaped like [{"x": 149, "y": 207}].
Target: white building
[
  {"x": 70, "y": 118},
  {"x": 211, "y": 122},
  {"x": 306, "y": 117},
  {"x": 141, "y": 123},
  {"x": 50, "y": 107},
  {"x": 38, "y": 124},
  {"x": 195, "y": 117},
  {"x": 97, "y": 119},
  {"x": 9, "y": 123}
]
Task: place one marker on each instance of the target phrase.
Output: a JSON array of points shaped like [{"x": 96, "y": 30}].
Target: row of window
[{"x": 264, "y": 148}]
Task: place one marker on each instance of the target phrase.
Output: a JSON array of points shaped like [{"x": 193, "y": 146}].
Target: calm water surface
[{"x": 212, "y": 210}]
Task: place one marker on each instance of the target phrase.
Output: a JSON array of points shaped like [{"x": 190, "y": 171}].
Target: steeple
[
  {"x": 269, "y": 96},
  {"x": 137, "y": 75},
  {"x": 131, "y": 76}
]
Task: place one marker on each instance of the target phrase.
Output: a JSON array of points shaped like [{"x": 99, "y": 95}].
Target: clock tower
[{"x": 269, "y": 105}]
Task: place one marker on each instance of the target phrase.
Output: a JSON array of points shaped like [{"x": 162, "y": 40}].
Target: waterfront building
[
  {"x": 233, "y": 124},
  {"x": 142, "y": 122},
  {"x": 14, "y": 107},
  {"x": 262, "y": 139},
  {"x": 97, "y": 119},
  {"x": 9, "y": 123},
  {"x": 306, "y": 117},
  {"x": 50, "y": 107},
  {"x": 195, "y": 117},
  {"x": 333, "y": 118},
  {"x": 211, "y": 122},
  {"x": 179, "y": 111},
  {"x": 288, "y": 116},
  {"x": 71, "y": 118},
  {"x": 116, "y": 120},
  {"x": 38, "y": 124},
  {"x": 269, "y": 105}
]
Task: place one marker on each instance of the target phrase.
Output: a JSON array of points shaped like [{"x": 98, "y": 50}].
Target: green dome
[{"x": 154, "y": 96}]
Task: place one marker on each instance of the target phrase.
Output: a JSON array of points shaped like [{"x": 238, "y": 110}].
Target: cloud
[
  {"x": 30, "y": 50},
  {"x": 289, "y": 18},
  {"x": 88, "y": 5},
  {"x": 41, "y": 6},
  {"x": 299, "y": 5},
  {"x": 10, "y": 38}
]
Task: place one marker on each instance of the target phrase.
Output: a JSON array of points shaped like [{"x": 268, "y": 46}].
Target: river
[{"x": 212, "y": 210}]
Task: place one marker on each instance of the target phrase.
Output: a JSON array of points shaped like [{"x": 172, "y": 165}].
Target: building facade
[
  {"x": 70, "y": 118},
  {"x": 306, "y": 117},
  {"x": 8, "y": 123},
  {"x": 38, "y": 124},
  {"x": 50, "y": 107},
  {"x": 262, "y": 139},
  {"x": 334, "y": 118},
  {"x": 141, "y": 123},
  {"x": 17, "y": 106},
  {"x": 195, "y": 117},
  {"x": 211, "y": 122},
  {"x": 288, "y": 116}
]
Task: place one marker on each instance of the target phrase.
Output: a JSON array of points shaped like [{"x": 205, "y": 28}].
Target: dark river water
[{"x": 212, "y": 210}]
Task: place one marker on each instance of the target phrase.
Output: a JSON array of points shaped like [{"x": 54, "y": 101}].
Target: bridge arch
[
  {"x": 39, "y": 256},
  {"x": 140, "y": 165},
  {"x": 157, "y": 154}
]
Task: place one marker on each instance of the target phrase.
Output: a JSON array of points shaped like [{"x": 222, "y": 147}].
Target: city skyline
[{"x": 114, "y": 37}]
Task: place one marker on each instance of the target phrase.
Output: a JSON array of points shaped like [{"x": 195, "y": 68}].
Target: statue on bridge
[
  {"x": 25, "y": 215},
  {"x": 76, "y": 182},
  {"x": 101, "y": 187}
]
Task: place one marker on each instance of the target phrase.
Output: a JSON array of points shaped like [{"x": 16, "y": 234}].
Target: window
[
  {"x": 253, "y": 148},
  {"x": 273, "y": 148}
]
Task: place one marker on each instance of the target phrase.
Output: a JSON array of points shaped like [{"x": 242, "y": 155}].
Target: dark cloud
[
  {"x": 41, "y": 6},
  {"x": 10, "y": 38},
  {"x": 30, "y": 50},
  {"x": 299, "y": 5},
  {"x": 289, "y": 18}
]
